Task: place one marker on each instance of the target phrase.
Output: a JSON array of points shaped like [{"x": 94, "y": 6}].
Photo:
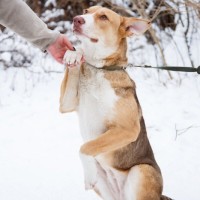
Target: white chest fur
[{"x": 96, "y": 102}]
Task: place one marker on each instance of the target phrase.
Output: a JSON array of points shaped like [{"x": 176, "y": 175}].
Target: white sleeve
[{"x": 17, "y": 15}]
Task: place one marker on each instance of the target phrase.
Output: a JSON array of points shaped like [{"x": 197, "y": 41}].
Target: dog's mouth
[{"x": 78, "y": 31}]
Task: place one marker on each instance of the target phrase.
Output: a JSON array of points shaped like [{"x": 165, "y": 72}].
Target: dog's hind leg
[{"x": 143, "y": 183}]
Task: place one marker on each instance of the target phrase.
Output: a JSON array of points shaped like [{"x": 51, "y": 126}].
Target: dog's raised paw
[{"x": 73, "y": 58}]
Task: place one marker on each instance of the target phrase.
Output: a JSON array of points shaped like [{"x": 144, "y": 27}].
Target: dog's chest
[{"x": 96, "y": 102}]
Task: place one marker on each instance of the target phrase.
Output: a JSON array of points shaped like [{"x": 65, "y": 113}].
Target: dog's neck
[
  {"x": 118, "y": 58},
  {"x": 102, "y": 57},
  {"x": 94, "y": 62}
]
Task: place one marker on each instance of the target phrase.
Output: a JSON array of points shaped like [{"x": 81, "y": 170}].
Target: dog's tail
[{"x": 165, "y": 198}]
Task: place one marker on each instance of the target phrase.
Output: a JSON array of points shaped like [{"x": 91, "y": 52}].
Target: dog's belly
[{"x": 96, "y": 102}]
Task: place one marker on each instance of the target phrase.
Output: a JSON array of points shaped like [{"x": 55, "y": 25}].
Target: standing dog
[{"x": 117, "y": 158}]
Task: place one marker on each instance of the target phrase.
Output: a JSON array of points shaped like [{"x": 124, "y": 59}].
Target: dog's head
[{"x": 103, "y": 35}]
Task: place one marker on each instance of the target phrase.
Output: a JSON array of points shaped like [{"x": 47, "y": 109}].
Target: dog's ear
[{"x": 134, "y": 26}]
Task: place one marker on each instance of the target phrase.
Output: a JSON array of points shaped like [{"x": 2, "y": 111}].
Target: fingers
[
  {"x": 58, "y": 48},
  {"x": 67, "y": 43}
]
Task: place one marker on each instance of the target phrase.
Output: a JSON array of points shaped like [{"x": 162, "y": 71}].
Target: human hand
[{"x": 59, "y": 47}]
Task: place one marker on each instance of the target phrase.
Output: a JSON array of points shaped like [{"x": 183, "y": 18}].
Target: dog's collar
[
  {"x": 114, "y": 68},
  {"x": 109, "y": 68}
]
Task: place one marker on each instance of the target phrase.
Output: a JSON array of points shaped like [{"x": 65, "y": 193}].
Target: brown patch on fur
[
  {"x": 139, "y": 152},
  {"x": 120, "y": 82},
  {"x": 151, "y": 184}
]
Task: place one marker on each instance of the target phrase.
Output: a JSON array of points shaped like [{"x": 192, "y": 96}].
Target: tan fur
[
  {"x": 69, "y": 86},
  {"x": 111, "y": 140},
  {"x": 119, "y": 57},
  {"x": 151, "y": 184}
]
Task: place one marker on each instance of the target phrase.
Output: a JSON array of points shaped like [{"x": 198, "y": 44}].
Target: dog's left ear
[{"x": 134, "y": 26}]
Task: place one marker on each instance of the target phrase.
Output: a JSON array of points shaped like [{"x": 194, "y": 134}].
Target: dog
[{"x": 118, "y": 161}]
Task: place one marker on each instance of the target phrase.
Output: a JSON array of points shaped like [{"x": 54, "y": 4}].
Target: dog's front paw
[
  {"x": 90, "y": 182},
  {"x": 73, "y": 58},
  {"x": 90, "y": 171}
]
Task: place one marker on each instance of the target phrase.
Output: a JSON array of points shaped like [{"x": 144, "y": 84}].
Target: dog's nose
[{"x": 78, "y": 20}]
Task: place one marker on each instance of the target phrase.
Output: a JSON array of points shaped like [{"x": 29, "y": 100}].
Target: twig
[
  {"x": 181, "y": 131},
  {"x": 155, "y": 39},
  {"x": 186, "y": 38},
  {"x": 157, "y": 12}
]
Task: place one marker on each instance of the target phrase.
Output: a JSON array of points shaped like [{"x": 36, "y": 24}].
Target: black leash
[{"x": 170, "y": 68}]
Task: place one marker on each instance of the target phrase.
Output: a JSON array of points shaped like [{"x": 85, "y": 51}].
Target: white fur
[
  {"x": 132, "y": 184},
  {"x": 96, "y": 178},
  {"x": 73, "y": 57},
  {"x": 114, "y": 179},
  {"x": 88, "y": 26},
  {"x": 90, "y": 171},
  {"x": 96, "y": 95}
]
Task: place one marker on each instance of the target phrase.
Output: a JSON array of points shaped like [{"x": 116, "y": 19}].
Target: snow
[
  {"x": 39, "y": 147},
  {"x": 167, "y": 110}
]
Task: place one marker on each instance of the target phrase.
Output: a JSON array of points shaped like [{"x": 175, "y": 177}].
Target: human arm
[{"x": 17, "y": 15}]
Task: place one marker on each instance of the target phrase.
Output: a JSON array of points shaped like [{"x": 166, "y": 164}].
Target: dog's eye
[
  {"x": 103, "y": 17},
  {"x": 85, "y": 11}
]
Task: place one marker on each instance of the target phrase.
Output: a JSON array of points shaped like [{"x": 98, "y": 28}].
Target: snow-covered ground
[{"x": 39, "y": 146}]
